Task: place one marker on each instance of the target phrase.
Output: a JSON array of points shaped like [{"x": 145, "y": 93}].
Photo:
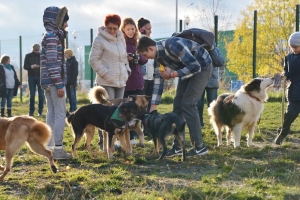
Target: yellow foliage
[{"x": 275, "y": 23}]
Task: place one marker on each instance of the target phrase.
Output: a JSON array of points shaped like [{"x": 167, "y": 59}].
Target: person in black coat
[
  {"x": 32, "y": 65},
  {"x": 72, "y": 73},
  {"x": 292, "y": 73},
  {"x": 9, "y": 84}
]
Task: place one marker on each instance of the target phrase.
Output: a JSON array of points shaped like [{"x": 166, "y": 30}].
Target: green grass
[{"x": 265, "y": 171}]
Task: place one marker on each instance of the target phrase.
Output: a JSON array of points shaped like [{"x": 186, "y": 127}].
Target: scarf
[{"x": 7, "y": 66}]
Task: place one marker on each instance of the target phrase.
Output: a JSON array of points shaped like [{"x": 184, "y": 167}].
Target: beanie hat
[
  {"x": 36, "y": 47},
  {"x": 69, "y": 52},
  {"x": 294, "y": 39}
]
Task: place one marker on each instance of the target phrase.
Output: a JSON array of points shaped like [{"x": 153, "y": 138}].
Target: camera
[{"x": 135, "y": 57}]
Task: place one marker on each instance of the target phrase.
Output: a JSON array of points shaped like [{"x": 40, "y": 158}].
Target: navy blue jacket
[
  {"x": 72, "y": 71},
  {"x": 292, "y": 72}
]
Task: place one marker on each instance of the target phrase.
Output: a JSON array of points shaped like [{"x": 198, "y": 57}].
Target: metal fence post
[
  {"x": 90, "y": 50},
  {"x": 180, "y": 25},
  {"x": 297, "y": 17},
  {"x": 216, "y": 30},
  {"x": 254, "y": 43},
  {"x": 20, "y": 44}
]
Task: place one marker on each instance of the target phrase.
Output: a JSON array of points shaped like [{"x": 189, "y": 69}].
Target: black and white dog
[{"x": 240, "y": 110}]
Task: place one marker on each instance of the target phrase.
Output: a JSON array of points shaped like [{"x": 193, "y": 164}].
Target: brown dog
[{"x": 15, "y": 131}]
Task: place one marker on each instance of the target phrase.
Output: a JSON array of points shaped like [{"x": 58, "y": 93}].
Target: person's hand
[
  {"x": 166, "y": 74},
  {"x": 283, "y": 74},
  {"x": 61, "y": 92},
  {"x": 20, "y": 86},
  {"x": 34, "y": 66},
  {"x": 129, "y": 57},
  {"x": 71, "y": 86}
]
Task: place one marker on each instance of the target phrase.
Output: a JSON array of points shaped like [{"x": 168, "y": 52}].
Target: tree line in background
[{"x": 275, "y": 22}]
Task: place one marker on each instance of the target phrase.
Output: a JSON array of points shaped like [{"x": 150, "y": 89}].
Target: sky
[{"x": 24, "y": 18}]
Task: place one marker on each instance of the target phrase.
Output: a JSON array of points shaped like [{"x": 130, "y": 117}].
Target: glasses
[{"x": 111, "y": 28}]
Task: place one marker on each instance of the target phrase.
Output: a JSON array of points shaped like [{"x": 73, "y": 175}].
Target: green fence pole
[
  {"x": 180, "y": 25},
  {"x": 297, "y": 17},
  {"x": 20, "y": 44},
  {"x": 90, "y": 50},
  {"x": 254, "y": 43},
  {"x": 216, "y": 30}
]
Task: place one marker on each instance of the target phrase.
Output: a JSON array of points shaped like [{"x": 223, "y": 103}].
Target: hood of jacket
[
  {"x": 53, "y": 17},
  {"x": 109, "y": 37}
]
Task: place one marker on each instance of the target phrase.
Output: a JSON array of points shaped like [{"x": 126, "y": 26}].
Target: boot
[
  {"x": 9, "y": 113},
  {"x": 2, "y": 112},
  {"x": 285, "y": 130}
]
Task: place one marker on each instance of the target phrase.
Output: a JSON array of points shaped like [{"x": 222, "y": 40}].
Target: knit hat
[
  {"x": 36, "y": 47},
  {"x": 69, "y": 52},
  {"x": 294, "y": 39}
]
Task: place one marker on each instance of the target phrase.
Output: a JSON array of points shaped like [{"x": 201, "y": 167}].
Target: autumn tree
[{"x": 275, "y": 23}]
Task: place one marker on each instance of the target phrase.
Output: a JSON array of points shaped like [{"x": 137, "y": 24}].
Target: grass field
[{"x": 265, "y": 171}]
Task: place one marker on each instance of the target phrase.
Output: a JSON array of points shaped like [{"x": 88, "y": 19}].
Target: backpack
[{"x": 205, "y": 38}]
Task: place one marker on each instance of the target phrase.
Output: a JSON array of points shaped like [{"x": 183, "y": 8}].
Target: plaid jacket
[{"x": 184, "y": 56}]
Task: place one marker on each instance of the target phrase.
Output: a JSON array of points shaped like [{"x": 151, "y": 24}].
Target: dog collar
[
  {"x": 257, "y": 99},
  {"x": 117, "y": 115}
]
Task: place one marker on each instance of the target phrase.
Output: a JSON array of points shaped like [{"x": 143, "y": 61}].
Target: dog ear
[{"x": 253, "y": 85}]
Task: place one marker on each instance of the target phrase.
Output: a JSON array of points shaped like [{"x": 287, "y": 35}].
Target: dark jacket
[
  {"x": 292, "y": 72},
  {"x": 72, "y": 71},
  {"x": 3, "y": 82},
  {"x": 135, "y": 80},
  {"x": 31, "y": 59}
]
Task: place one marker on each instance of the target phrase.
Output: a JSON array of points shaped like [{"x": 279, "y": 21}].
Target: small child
[{"x": 292, "y": 73}]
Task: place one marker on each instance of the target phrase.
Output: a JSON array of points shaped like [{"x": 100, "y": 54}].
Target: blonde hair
[{"x": 127, "y": 21}]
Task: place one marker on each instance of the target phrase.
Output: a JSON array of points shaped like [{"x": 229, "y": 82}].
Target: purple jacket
[{"x": 135, "y": 80}]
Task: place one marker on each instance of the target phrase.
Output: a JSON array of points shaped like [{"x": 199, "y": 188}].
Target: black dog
[
  {"x": 162, "y": 125},
  {"x": 113, "y": 119}
]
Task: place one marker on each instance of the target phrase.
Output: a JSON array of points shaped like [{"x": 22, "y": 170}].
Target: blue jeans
[
  {"x": 8, "y": 98},
  {"x": 71, "y": 95},
  {"x": 34, "y": 82},
  {"x": 211, "y": 94}
]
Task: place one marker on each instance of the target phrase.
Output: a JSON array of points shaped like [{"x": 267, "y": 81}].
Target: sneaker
[
  {"x": 174, "y": 152},
  {"x": 40, "y": 115},
  {"x": 61, "y": 154},
  {"x": 30, "y": 114},
  {"x": 133, "y": 141},
  {"x": 198, "y": 151}
]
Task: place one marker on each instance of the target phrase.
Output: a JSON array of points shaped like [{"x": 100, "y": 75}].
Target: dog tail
[
  {"x": 41, "y": 131},
  {"x": 98, "y": 95},
  {"x": 69, "y": 117}
]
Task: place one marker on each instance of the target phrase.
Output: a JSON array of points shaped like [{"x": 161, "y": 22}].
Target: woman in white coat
[{"x": 108, "y": 58}]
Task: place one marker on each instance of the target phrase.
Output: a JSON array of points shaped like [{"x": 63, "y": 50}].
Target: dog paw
[
  {"x": 1, "y": 168},
  {"x": 54, "y": 168}
]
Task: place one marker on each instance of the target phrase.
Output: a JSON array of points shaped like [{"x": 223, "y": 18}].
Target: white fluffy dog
[{"x": 240, "y": 110}]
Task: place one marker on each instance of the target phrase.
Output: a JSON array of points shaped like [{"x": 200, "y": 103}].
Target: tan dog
[
  {"x": 15, "y": 131},
  {"x": 99, "y": 95}
]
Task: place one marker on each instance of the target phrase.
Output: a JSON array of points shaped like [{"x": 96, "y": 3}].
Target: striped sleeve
[{"x": 53, "y": 64}]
